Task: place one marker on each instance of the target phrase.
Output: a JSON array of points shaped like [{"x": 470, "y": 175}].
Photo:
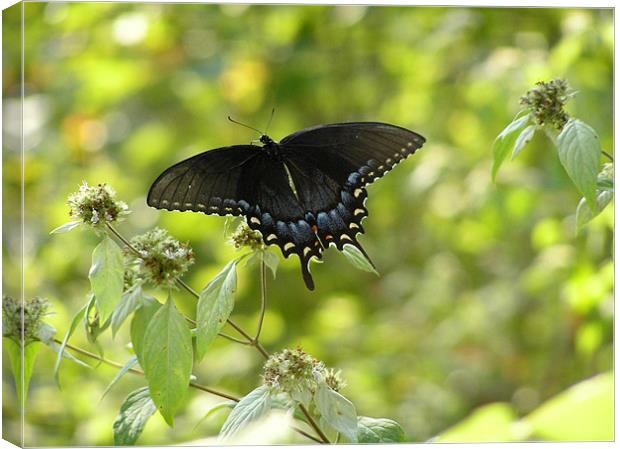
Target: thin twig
[
  {"x": 137, "y": 372},
  {"x": 263, "y": 297},
  {"x": 313, "y": 424},
  {"x": 609, "y": 156},
  {"x": 141, "y": 373},
  {"x": 250, "y": 341}
]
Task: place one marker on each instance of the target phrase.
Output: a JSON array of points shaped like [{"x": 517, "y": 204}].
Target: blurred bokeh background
[{"x": 485, "y": 295}]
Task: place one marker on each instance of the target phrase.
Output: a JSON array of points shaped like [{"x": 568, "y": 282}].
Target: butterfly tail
[{"x": 305, "y": 272}]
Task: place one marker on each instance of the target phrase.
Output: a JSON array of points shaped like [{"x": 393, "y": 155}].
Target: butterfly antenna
[
  {"x": 246, "y": 126},
  {"x": 273, "y": 111}
]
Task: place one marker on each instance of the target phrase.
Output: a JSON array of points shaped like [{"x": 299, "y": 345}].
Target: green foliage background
[{"x": 485, "y": 295}]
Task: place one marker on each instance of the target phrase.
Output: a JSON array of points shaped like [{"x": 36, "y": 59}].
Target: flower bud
[
  {"x": 162, "y": 258},
  {"x": 95, "y": 205},
  {"x": 246, "y": 237},
  {"x": 26, "y": 319},
  {"x": 546, "y": 102}
]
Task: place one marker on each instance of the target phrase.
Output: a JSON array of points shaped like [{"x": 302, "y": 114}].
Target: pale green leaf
[
  {"x": 505, "y": 141},
  {"x": 167, "y": 359},
  {"x": 216, "y": 408},
  {"x": 580, "y": 151},
  {"x": 74, "y": 323},
  {"x": 524, "y": 138},
  {"x": 248, "y": 409},
  {"x": 66, "y": 354},
  {"x": 130, "y": 301},
  {"x": 584, "y": 412},
  {"x": 66, "y": 227},
  {"x": 14, "y": 350},
  {"x": 121, "y": 372},
  {"x": 139, "y": 323},
  {"x": 379, "y": 430},
  {"x": 585, "y": 214},
  {"x": 489, "y": 423},
  {"x": 46, "y": 333},
  {"x": 106, "y": 276},
  {"x": 215, "y": 304},
  {"x": 271, "y": 260},
  {"x": 336, "y": 410},
  {"x": 135, "y": 411},
  {"x": 358, "y": 259}
]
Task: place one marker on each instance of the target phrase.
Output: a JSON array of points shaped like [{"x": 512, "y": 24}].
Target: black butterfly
[{"x": 302, "y": 194}]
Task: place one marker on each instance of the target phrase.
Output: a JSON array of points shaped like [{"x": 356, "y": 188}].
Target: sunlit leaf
[
  {"x": 489, "y": 423},
  {"x": 505, "y": 141},
  {"x": 167, "y": 359},
  {"x": 248, "y": 409},
  {"x": 215, "y": 304},
  {"x": 584, "y": 412},
  {"x": 14, "y": 351},
  {"x": 130, "y": 301},
  {"x": 216, "y": 408},
  {"x": 135, "y": 411},
  {"x": 357, "y": 259},
  {"x": 74, "y": 323},
  {"x": 379, "y": 430},
  {"x": 337, "y": 411},
  {"x": 580, "y": 151},
  {"x": 66, "y": 227},
  {"x": 585, "y": 214},
  {"x": 271, "y": 260},
  {"x": 121, "y": 372},
  {"x": 524, "y": 138},
  {"x": 139, "y": 323},
  {"x": 106, "y": 276}
]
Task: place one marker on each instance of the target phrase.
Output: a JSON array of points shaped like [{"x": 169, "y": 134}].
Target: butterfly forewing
[{"x": 208, "y": 182}]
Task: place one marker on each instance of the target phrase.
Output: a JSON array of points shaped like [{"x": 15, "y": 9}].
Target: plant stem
[
  {"x": 128, "y": 244},
  {"x": 248, "y": 339},
  {"x": 313, "y": 424},
  {"x": 192, "y": 384},
  {"x": 263, "y": 296},
  {"x": 141, "y": 373},
  {"x": 609, "y": 156}
]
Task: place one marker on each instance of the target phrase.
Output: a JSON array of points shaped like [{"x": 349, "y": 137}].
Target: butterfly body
[{"x": 305, "y": 193}]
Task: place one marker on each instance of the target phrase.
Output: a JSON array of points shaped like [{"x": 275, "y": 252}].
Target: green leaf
[
  {"x": 106, "y": 276},
  {"x": 357, "y": 258},
  {"x": 139, "y": 323},
  {"x": 167, "y": 357},
  {"x": 379, "y": 430},
  {"x": 580, "y": 150},
  {"x": 66, "y": 227},
  {"x": 506, "y": 139},
  {"x": 336, "y": 410},
  {"x": 92, "y": 323},
  {"x": 215, "y": 304},
  {"x": 216, "y": 408},
  {"x": 121, "y": 372},
  {"x": 74, "y": 323},
  {"x": 14, "y": 349},
  {"x": 489, "y": 423},
  {"x": 584, "y": 412},
  {"x": 585, "y": 214},
  {"x": 524, "y": 138},
  {"x": 135, "y": 411},
  {"x": 248, "y": 409},
  {"x": 271, "y": 260},
  {"x": 129, "y": 303}
]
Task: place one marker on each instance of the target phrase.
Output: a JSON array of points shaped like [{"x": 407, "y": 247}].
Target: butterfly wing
[
  {"x": 240, "y": 180},
  {"x": 208, "y": 182},
  {"x": 330, "y": 166}
]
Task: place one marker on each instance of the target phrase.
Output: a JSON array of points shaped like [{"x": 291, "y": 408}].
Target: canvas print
[{"x": 295, "y": 224}]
